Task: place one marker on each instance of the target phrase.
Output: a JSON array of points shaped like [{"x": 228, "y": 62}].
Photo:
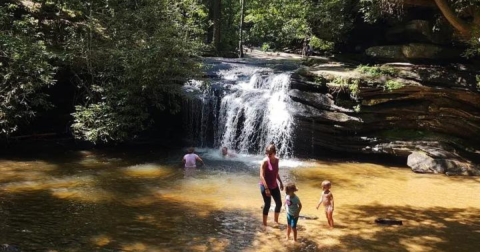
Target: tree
[
  {"x": 464, "y": 16},
  {"x": 25, "y": 69},
  {"x": 217, "y": 23},
  {"x": 147, "y": 52},
  {"x": 240, "y": 32}
]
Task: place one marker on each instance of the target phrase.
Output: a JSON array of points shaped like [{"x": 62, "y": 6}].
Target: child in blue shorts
[{"x": 293, "y": 207}]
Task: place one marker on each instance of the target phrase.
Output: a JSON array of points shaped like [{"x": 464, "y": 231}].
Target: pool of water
[{"x": 143, "y": 200}]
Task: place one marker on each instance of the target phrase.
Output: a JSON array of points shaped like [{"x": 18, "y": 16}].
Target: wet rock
[
  {"x": 445, "y": 163},
  {"x": 432, "y": 120},
  {"x": 422, "y": 163},
  {"x": 9, "y": 248},
  {"x": 316, "y": 100}
]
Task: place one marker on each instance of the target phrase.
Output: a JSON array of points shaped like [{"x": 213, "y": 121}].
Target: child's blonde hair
[
  {"x": 326, "y": 184},
  {"x": 291, "y": 187}
]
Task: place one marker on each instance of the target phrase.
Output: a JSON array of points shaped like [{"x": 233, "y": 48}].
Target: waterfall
[{"x": 243, "y": 111}]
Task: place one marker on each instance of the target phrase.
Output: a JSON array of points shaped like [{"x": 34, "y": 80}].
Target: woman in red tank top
[{"x": 268, "y": 183}]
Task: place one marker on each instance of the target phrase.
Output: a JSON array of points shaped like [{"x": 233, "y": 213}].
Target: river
[{"x": 142, "y": 200}]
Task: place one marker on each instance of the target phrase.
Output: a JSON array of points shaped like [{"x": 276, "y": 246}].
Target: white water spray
[{"x": 252, "y": 113}]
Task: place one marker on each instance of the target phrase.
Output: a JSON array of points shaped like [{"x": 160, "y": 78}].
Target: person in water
[
  {"x": 189, "y": 160},
  {"x": 268, "y": 183},
  {"x": 327, "y": 199},
  {"x": 226, "y": 154},
  {"x": 293, "y": 207}
]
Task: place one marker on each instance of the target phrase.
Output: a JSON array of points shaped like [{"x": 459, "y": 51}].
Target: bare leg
[
  {"x": 289, "y": 229},
  {"x": 265, "y": 220},
  {"x": 330, "y": 218},
  {"x": 276, "y": 217},
  {"x": 294, "y": 234}
]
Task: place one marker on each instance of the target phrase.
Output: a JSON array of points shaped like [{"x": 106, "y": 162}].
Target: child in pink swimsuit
[
  {"x": 190, "y": 159},
  {"x": 327, "y": 199}
]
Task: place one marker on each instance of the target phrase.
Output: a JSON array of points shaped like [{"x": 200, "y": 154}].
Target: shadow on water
[
  {"x": 423, "y": 229},
  {"x": 141, "y": 201},
  {"x": 163, "y": 225}
]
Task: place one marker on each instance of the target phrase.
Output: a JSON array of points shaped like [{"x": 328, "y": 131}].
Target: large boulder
[
  {"x": 412, "y": 52},
  {"x": 418, "y": 31},
  {"x": 391, "y": 52},
  {"x": 422, "y": 162}
]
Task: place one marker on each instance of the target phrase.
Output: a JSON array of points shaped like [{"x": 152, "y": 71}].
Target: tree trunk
[
  {"x": 464, "y": 29},
  {"x": 240, "y": 42},
  {"x": 461, "y": 26},
  {"x": 209, "y": 3},
  {"x": 217, "y": 19}
]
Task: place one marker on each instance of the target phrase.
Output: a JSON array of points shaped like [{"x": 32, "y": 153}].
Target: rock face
[
  {"x": 411, "y": 52},
  {"x": 419, "y": 31},
  {"x": 416, "y": 114}
]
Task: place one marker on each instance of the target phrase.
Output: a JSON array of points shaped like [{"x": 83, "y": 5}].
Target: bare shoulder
[{"x": 264, "y": 162}]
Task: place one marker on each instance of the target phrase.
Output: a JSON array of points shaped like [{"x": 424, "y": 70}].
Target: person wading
[{"x": 268, "y": 183}]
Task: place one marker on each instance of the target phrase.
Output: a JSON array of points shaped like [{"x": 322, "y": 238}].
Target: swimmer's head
[
  {"x": 326, "y": 185},
  {"x": 224, "y": 151},
  {"x": 191, "y": 150}
]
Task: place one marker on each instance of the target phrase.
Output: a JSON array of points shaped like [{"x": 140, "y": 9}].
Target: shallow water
[{"x": 142, "y": 200}]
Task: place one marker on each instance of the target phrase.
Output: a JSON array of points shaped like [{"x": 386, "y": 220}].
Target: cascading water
[{"x": 245, "y": 110}]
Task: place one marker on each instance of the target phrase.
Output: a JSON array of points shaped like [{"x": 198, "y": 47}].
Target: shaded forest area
[{"x": 109, "y": 71}]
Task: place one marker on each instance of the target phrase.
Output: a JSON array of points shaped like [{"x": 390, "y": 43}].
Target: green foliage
[
  {"x": 322, "y": 45},
  {"x": 277, "y": 21},
  {"x": 351, "y": 86},
  {"x": 136, "y": 72},
  {"x": 357, "y": 108},
  {"x": 127, "y": 59},
  {"x": 376, "y": 70},
  {"x": 331, "y": 20},
  {"x": 25, "y": 70},
  {"x": 265, "y": 47},
  {"x": 391, "y": 85},
  {"x": 474, "y": 45}
]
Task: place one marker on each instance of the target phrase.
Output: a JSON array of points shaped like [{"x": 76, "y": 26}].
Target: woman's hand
[
  {"x": 267, "y": 192},
  {"x": 281, "y": 186}
]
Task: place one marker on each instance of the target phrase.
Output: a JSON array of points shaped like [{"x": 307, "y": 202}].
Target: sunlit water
[{"x": 143, "y": 200}]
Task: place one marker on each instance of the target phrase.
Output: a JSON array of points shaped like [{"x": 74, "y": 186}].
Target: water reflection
[{"x": 117, "y": 202}]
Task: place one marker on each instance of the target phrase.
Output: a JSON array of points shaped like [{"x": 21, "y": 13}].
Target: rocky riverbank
[{"x": 428, "y": 114}]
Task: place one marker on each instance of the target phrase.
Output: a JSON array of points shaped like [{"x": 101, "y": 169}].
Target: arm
[
  {"x": 262, "y": 177},
  {"x": 333, "y": 205},
  {"x": 321, "y": 200},
  {"x": 279, "y": 179},
  {"x": 199, "y": 159},
  {"x": 299, "y": 208}
]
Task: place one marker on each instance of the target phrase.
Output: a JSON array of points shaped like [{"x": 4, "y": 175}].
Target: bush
[
  {"x": 392, "y": 85},
  {"x": 321, "y": 45},
  {"x": 265, "y": 47},
  {"x": 24, "y": 71},
  {"x": 377, "y": 71}
]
